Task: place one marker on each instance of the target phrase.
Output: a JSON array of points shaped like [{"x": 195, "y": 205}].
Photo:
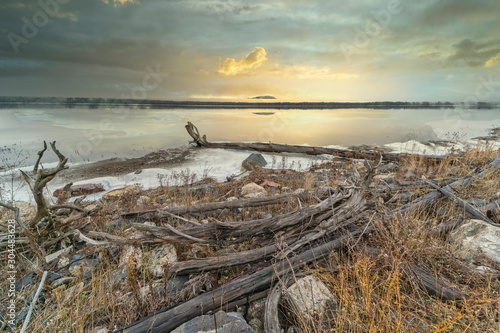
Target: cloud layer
[{"x": 426, "y": 50}]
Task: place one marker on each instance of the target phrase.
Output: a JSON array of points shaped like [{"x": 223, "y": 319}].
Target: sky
[{"x": 295, "y": 50}]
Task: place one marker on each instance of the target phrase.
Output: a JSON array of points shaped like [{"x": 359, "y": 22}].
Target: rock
[
  {"x": 174, "y": 286},
  {"x": 85, "y": 266},
  {"x": 119, "y": 275},
  {"x": 388, "y": 168},
  {"x": 51, "y": 257},
  {"x": 157, "y": 258},
  {"x": 143, "y": 200},
  {"x": 253, "y": 162},
  {"x": 100, "y": 329},
  {"x": 265, "y": 216},
  {"x": 204, "y": 189},
  {"x": 120, "y": 193},
  {"x": 269, "y": 183},
  {"x": 388, "y": 178},
  {"x": 232, "y": 322},
  {"x": 410, "y": 175},
  {"x": 131, "y": 254},
  {"x": 253, "y": 190},
  {"x": 474, "y": 238},
  {"x": 77, "y": 190},
  {"x": 309, "y": 295},
  {"x": 255, "y": 315}
]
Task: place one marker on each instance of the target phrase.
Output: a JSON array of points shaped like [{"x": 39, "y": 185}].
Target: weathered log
[
  {"x": 464, "y": 204},
  {"x": 433, "y": 285},
  {"x": 271, "y": 318},
  {"x": 240, "y": 231},
  {"x": 281, "y": 148},
  {"x": 167, "y": 320},
  {"x": 230, "y": 260},
  {"x": 428, "y": 199},
  {"x": 239, "y": 203}
]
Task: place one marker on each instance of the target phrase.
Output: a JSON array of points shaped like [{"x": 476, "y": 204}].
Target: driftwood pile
[
  {"x": 284, "y": 243},
  {"x": 288, "y": 242}
]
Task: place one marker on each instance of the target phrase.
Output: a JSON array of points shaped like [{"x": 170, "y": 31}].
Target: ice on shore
[{"x": 214, "y": 163}]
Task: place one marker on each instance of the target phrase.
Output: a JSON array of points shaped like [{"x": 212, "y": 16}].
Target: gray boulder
[
  {"x": 253, "y": 161},
  {"x": 232, "y": 322},
  {"x": 474, "y": 238}
]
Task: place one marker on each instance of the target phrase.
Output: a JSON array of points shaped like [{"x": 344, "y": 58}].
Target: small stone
[
  {"x": 131, "y": 254},
  {"x": 100, "y": 329},
  {"x": 253, "y": 190},
  {"x": 143, "y": 200},
  {"x": 410, "y": 175},
  {"x": 63, "y": 261},
  {"x": 388, "y": 168},
  {"x": 160, "y": 257},
  {"x": 232, "y": 322},
  {"x": 253, "y": 162}
]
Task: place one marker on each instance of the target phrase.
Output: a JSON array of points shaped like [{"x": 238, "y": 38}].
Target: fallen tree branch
[
  {"x": 167, "y": 320},
  {"x": 230, "y": 260},
  {"x": 426, "y": 200},
  {"x": 236, "y": 232},
  {"x": 464, "y": 204},
  {"x": 239, "y": 203},
  {"x": 281, "y": 148}
]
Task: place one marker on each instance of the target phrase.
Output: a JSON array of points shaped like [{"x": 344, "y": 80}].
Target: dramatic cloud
[
  {"x": 472, "y": 54},
  {"x": 105, "y": 48},
  {"x": 252, "y": 60},
  {"x": 493, "y": 61}
]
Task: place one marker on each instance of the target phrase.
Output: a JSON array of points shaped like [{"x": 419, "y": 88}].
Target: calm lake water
[{"x": 85, "y": 134}]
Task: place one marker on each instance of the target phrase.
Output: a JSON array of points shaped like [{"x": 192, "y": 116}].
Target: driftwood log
[
  {"x": 167, "y": 320},
  {"x": 201, "y": 141},
  {"x": 239, "y": 203},
  {"x": 427, "y": 200}
]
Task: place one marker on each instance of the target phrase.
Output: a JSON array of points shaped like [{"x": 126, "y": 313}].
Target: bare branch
[{"x": 40, "y": 155}]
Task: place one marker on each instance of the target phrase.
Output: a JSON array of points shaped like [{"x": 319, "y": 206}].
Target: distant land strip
[{"x": 96, "y": 103}]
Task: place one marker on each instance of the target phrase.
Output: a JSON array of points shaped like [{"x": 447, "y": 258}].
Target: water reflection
[{"x": 95, "y": 134}]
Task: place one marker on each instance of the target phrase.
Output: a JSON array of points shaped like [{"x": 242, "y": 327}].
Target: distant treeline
[{"x": 95, "y": 103}]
